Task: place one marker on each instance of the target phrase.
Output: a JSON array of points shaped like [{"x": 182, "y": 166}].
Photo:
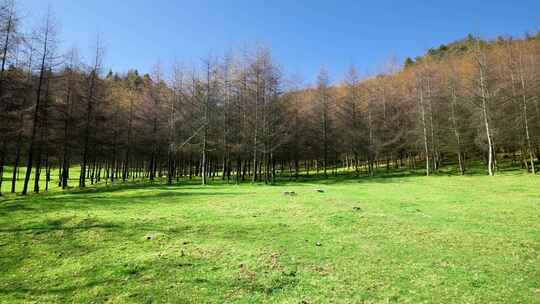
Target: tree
[
  {"x": 483, "y": 85},
  {"x": 324, "y": 111},
  {"x": 8, "y": 31},
  {"x": 45, "y": 37},
  {"x": 351, "y": 115},
  {"x": 67, "y": 109},
  {"x": 91, "y": 84}
]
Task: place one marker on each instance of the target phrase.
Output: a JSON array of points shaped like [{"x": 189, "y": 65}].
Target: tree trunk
[
  {"x": 424, "y": 127},
  {"x": 456, "y": 133}
]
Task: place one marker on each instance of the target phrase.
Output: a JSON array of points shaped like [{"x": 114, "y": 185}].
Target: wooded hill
[{"x": 237, "y": 117}]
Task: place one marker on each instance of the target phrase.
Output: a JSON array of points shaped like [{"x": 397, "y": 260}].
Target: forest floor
[{"x": 401, "y": 238}]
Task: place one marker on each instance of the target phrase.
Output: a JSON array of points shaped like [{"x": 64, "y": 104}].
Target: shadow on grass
[
  {"x": 383, "y": 175},
  {"x": 9, "y": 206},
  {"x": 38, "y": 251},
  {"x": 67, "y": 201},
  {"x": 116, "y": 187},
  {"x": 62, "y": 224}
]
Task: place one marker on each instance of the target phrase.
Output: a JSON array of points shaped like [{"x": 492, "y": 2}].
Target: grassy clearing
[{"x": 445, "y": 239}]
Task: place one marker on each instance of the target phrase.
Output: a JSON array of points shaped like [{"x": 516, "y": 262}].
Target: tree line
[{"x": 238, "y": 118}]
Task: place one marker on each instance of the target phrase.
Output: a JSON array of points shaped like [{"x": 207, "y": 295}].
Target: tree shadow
[
  {"x": 102, "y": 198},
  {"x": 344, "y": 178},
  {"x": 10, "y": 207},
  {"x": 62, "y": 224},
  {"x": 117, "y": 187},
  {"x": 390, "y": 176}
]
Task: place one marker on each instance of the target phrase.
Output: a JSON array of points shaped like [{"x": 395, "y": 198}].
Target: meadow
[{"x": 400, "y": 237}]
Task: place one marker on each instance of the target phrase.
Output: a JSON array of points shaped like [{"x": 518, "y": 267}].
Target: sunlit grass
[{"x": 393, "y": 238}]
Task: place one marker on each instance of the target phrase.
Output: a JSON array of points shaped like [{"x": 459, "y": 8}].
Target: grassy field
[{"x": 403, "y": 239}]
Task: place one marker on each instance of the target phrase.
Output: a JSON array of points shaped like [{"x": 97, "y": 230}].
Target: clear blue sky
[{"x": 303, "y": 34}]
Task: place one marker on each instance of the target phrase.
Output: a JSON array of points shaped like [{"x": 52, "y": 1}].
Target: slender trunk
[
  {"x": 2, "y": 69},
  {"x": 127, "y": 156},
  {"x": 255, "y": 134},
  {"x": 456, "y": 132},
  {"x": 485, "y": 99},
  {"x": 5, "y": 51},
  {"x": 44, "y": 140},
  {"x": 325, "y": 135},
  {"x": 526, "y": 117},
  {"x": 86, "y": 145},
  {"x": 206, "y": 104},
  {"x": 66, "y": 152},
  {"x": 35, "y": 120},
  {"x": 371, "y": 149},
  {"x": 434, "y": 149},
  {"x": 424, "y": 127},
  {"x": 17, "y": 155},
  {"x": 171, "y": 156}
]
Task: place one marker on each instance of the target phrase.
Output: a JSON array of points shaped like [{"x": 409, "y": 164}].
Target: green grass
[{"x": 403, "y": 239}]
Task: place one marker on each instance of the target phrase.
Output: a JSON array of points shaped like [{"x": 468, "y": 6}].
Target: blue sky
[{"x": 303, "y": 34}]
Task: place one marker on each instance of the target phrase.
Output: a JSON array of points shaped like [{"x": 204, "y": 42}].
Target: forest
[{"x": 239, "y": 118}]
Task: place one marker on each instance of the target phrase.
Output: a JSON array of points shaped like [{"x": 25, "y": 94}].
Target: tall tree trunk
[
  {"x": 456, "y": 132},
  {"x": 2, "y": 70},
  {"x": 67, "y": 127},
  {"x": 206, "y": 105},
  {"x": 525, "y": 115},
  {"x": 434, "y": 149},
  {"x": 127, "y": 156},
  {"x": 35, "y": 120},
  {"x": 88, "y": 125},
  {"x": 485, "y": 111},
  {"x": 17, "y": 154},
  {"x": 171, "y": 154},
  {"x": 424, "y": 127},
  {"x": 256, "y": 133}
]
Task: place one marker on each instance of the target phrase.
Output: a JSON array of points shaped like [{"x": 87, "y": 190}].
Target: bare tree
[
  {"x": 481, "y": 61},
  {"x": 90, "y": 97},
  {"x": 324, "y": 109},
  {"x": 45, "y": 37}
]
